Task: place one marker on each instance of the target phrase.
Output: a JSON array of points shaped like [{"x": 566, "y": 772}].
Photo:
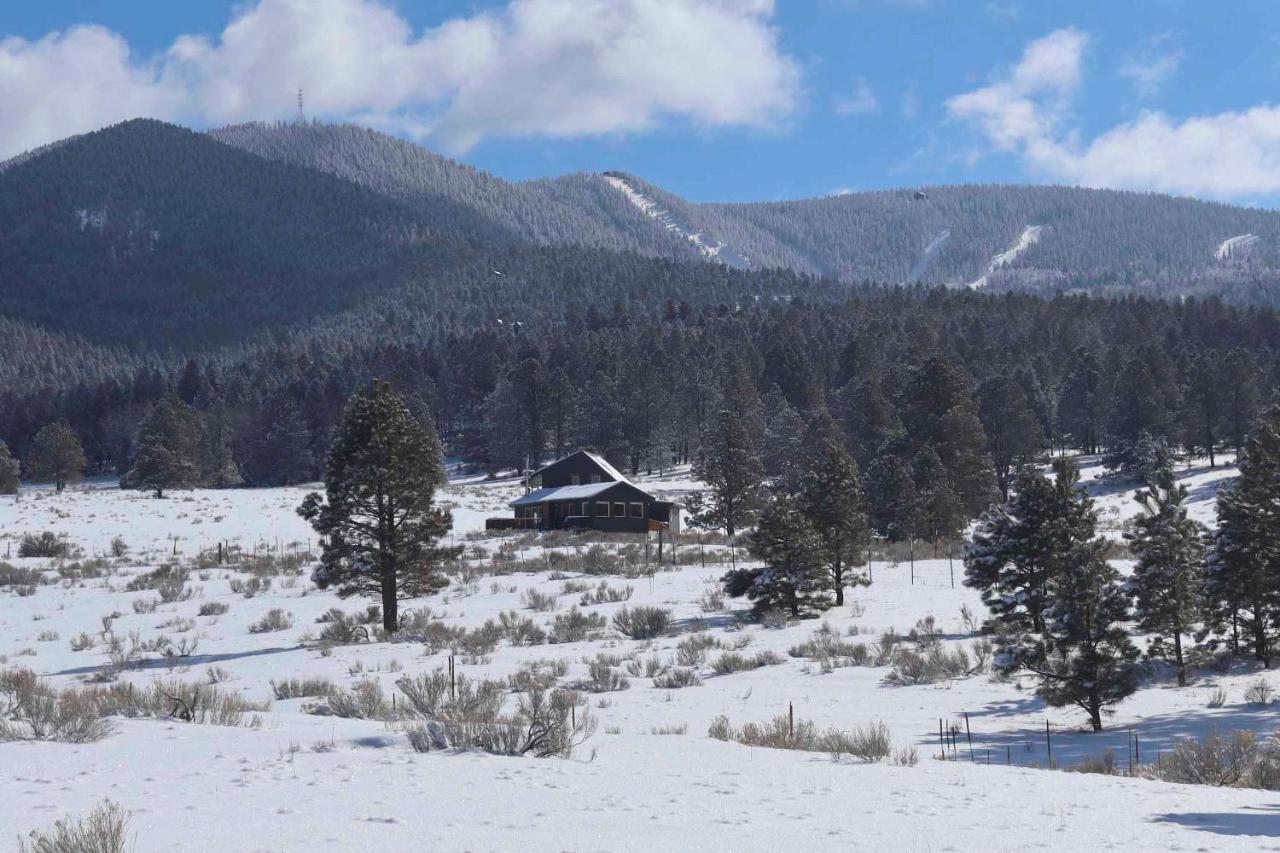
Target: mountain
[
  {"x": 1075, "y": 239},
  {"x": 147, "y": 232},
  {"x": 160, "y": 240}
]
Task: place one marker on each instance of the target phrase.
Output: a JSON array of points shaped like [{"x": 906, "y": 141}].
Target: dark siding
[{"x": 562, "y": 473}]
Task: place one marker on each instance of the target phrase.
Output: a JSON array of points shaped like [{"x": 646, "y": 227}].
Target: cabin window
[
  {"x": 637, "y": 510},
  {"x": 595, "y": 478},
  {"x": 620, "y": 509},
  {"x": 575, "y": 480},
  {"x": 586, "y": 508},
  {"x": 602, "y": 509}
]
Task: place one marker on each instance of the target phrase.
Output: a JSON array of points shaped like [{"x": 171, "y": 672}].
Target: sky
[{"x": 716, "y": 100}]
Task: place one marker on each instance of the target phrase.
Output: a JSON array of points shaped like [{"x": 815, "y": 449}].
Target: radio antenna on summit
[{"x": 302, "y": 117}]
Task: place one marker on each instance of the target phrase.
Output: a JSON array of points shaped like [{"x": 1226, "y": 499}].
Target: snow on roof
[
  {"x": 594, "y": 457},
  {"x": 563, "y": 493},
  {"x": 608, "y": 469}
]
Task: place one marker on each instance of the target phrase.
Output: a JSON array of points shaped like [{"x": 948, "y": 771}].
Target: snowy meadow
[{"x": 250, "y": 708}]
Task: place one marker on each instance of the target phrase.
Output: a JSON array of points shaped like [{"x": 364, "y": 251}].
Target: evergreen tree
[
  {"x": 1021, "y": 550},
  {"x": 792, "y": 577},
  {"x": 9, "y": 471},
  {"x": 277, "y": 450},
  {"x": 1084, "y": 657},
  {"x": 1244, "y": 561},
  {"x": 56, "y": 454},
  {"x": 891, "y": 494},
  {"x": 1240, "y": 384},
  {"x": 169, "y": 450},
  {"x": 831, "y": 499},
  {"x": 870, "y": 420},
  {"x": 1204, "y": 400},
  {"x": 1168, "y": 575},
  {"x": 1014, "y": 434},
  {"x": 378, "y": 521},
  {"x": 1081, "y": 407},
  {"x": 782, "y": 450},
  {"x": 1142, "y": 459},
  {"x": 939, "y": 515},
  {"x": 730, "y": 466}
]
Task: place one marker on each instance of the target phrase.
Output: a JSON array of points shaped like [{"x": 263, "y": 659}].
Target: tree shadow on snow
[
  {"x": 1252, "y": 820},
  {"x": 190, "y": 660}
]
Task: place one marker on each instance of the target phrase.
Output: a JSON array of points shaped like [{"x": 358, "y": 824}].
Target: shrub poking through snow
[
  {"x": 365, "y": 701},
  {"x": 296, "y": 688},
  {"x": 103, "y": 830},
  {"x": 33, "y": 710},
  {"x": 602, "y": 678},
  {"x": 642, "y": 623},
  {"x": 539, "y": 601},
  {"x": 736, "y": 662},
  {"x": 1219, "y": 760},
  {"x": 573, "y": 626},
  {"x": 870, "y": 742},
  {"x": 213, "y": 608},
  {"x": 935, "y": 664},
  {"x": 828, "y": 648},
  {"x": 546, "y": 723},
  {"x": 47, "y": 544},
  {"x": 274, "y": 619},
  {"x": 676, "y": 678},
  {"x": 1259, "y": 692}
]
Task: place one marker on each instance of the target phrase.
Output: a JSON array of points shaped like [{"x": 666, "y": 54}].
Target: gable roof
[
  {"x": 568, "y": 493},
  {"x": 599, "y": 460}
]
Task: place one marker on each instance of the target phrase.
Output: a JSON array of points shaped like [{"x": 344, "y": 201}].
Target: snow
[
  {"x": 708, "y": 247},
  {"x": 1235, "y": 248},
  {"x": 930, "y": 252},
  {"x": 1028, "y": 238},
  {"x": 305, "y": 782}
]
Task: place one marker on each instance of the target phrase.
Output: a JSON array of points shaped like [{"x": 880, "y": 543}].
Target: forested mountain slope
[{"x": 152, "y": 235}]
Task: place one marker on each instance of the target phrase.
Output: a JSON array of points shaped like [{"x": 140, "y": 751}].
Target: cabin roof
[
  {"x": 600, "y": 461},
  {"x": 564, "y": 493}
]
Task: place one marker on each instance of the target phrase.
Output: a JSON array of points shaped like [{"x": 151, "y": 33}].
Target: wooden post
[
  {"x": 911, "y": 552},
  {"x": 1048, "y": 741},
  {"x": 969, "y": 735},
  {"x": 951, "y": 564},
  {"x": 791, "y": 720},
  {"x": 453, "y": 683},
  {"x": 942, "y": 743}
]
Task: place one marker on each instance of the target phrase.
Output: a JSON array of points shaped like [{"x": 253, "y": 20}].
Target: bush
[
  {"x": 538, "y": 601},
  {"x": 46, "y": 544},
  {"x": 12, "y": 576},
  {"x": 436, "y": 697},
  {"x": 119, "y": 548},
  {"x": 32, "y": 710},
  {"x": 365, "y": 701},
  {"x": 605, "y": 594},
  {"x": 676, "y": 678},
  {"x": 1216, "y": 760},
  {"x": 642, "y": 623},
  {"x": 573, "y": 626},
  {"x": 521, "y": 630},
  {"x": 1259, "y": 692},
  {"x": 730, "y": 662},
  {"x": 933, "y": 665},
  {"x": 297, "y": 688},
  {"x": 602, "y": 678},
  {"x": 274, "y": 619},
  {"x": 103, "y": 831},
  {"x": 826, "y": 646},
  {"x": 546, "y": 723},
  {"x": 870, "y": 742},
  {"x": 213, "y": 608},
  {"x": 692, "y": 650}
]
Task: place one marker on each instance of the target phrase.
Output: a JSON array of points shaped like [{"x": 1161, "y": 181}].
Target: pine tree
[
  {"x": 56, "y": 454},
  {"x": 1244, "y": 560},
  {"x": 939, "y": 515},
  {"x": 792, "y": 577},
  {"x": 891, "y": 494},
  {"x": 1204, "y": 400},
  {"x": 831, "y": 499},
  {"x": 1019, "y": 552},
  {"x": 730, "y": 466},
  {"x": 1014, "y": 435},
  {"x": 9, "y": 471},
  {"x": 1084, "y": 657},
  {"x": 1168, "y": 575},
  {"x": 169, "y": 450},
  {"x": 378, "y": 521}
]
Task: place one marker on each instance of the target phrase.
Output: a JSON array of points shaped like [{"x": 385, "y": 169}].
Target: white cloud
[
  {"x": 532, "y": 68},
  {"x": 862, "y": 101},
  {"x": 1227, "y": 155},
  {"x": 1151, "y": 67}
]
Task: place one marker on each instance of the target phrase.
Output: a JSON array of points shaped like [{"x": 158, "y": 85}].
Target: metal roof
[
  {"x": 608, "y": 469},
  {"x": 564, "y": 493}
]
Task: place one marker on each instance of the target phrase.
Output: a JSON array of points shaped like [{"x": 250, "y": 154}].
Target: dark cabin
[{"x": 583, "y": 491}]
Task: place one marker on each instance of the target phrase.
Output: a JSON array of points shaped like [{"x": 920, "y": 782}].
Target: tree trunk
[
  {"x": 390, "y": 606},
  {"x": 1095, "y": 713},
  {"x": 1177, "y": 651}
]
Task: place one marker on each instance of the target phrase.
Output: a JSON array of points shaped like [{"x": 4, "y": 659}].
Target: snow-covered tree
[
  {"x": 793, "y": 577},
  {"x": 1084, "y": 657},
  {"x": 1140, "y": 459},
  {"x": 1168, "y": 576},
  {"x": 1021, "y": 549},
  {"x": 831, "y": 499},
  {"x": 379, "y": 523},
  {"x": 1243, "y": 569}
]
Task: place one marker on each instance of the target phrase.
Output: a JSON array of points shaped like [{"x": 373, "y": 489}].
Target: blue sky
[{"x": 730, "y": 100}]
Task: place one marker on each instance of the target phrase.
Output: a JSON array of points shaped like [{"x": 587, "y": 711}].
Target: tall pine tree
[
  {"x": 169, "y": 449},
  {"x": 831, "y": 498},
  {"x": 730, "y": 466},
  {"x": 378, "y": 520}
]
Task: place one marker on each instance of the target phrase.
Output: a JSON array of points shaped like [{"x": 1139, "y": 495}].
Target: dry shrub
[
  {"x": 575, "y": 625},
  {"x": 1219, "y": 760},
  {"x": 33, "y": 710},
  {"x": 365, "y": 701},
  {"x": 545, "y": 724},
  {"x": 298, "y": 688},
  {"x": 730, "y": 662},
  {"x": 104, "y": 830},
  {"x": 642, "y": 623},
  {"x": 274, "y": 619},
  {"x": 677, "y": 678}
]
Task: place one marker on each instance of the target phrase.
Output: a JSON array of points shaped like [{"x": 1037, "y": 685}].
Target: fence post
[{"x": 1048, "y": 741}]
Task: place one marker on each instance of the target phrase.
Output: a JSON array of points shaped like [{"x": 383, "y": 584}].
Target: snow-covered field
[{"x": 649, "y": 779}]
